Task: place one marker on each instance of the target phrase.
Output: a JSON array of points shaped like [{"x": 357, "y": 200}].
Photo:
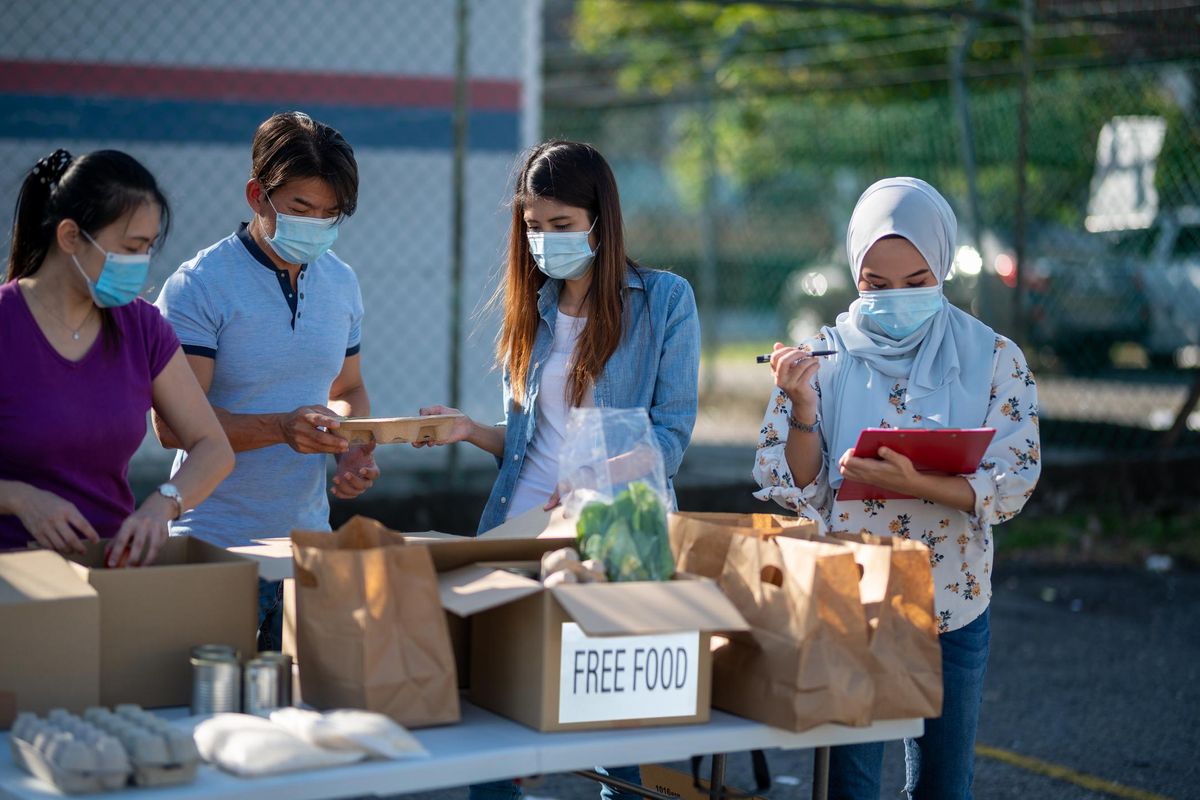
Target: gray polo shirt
[{"x": 274, "y": 349}]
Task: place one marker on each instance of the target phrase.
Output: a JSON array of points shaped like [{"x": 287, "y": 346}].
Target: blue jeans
[
  {"x": 270, "y": 616},
  {"x": 941, "y": 764},
  {"x": 511, "y": 790}
]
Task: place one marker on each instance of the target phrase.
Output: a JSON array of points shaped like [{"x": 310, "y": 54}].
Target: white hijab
[{"x": 947, "y": 362}]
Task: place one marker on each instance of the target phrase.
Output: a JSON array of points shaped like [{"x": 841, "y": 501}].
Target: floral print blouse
[{"x": 960, "y": 545}]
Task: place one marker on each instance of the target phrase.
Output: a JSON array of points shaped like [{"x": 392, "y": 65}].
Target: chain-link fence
[
  {"x": 746, "y": 188},
  {"x": 1088, "y": 254},
  {"x": 182, "y": 86}
]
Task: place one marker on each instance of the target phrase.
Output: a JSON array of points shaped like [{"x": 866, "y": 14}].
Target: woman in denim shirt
[{"x": 582, "y": 325}]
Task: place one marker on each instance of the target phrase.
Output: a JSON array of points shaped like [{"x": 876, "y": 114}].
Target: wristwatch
[
  {"x": 797, "y": 425},
  {"x": 171, "y": 492}
]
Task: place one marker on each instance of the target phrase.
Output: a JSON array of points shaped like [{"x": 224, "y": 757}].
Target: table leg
[
  {"x": 820, "y": 786},
  {"x": 716, "y": 783}
]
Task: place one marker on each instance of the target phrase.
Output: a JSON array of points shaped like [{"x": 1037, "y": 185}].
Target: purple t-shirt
[{"x": 70, "y": 427}]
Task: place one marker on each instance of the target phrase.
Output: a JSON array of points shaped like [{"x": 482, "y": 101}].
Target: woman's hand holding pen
[{"x": 794, "y": 369}]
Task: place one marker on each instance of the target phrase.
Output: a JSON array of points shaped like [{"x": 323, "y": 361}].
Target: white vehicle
[{"x": 1170, "y": 279}]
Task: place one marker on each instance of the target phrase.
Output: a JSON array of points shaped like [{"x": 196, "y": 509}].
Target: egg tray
[
  {"x": 395, "y": 430},
  {"x": 104, "y": 750}
]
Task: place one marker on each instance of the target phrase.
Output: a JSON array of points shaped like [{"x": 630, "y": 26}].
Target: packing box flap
[
  {"x": 176, "y": 551},
  {"x": 469, "y": 590},
  {"x": 647, "y": 607},
  {"x": 537, "y": 523},
  {"x": 39, "y": 575},
  {"x": 451, "y": 555},
  {"x": 49, "y": 636}
]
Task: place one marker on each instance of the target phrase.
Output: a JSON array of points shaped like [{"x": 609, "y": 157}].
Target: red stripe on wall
[{"x": 158, "y": 82}]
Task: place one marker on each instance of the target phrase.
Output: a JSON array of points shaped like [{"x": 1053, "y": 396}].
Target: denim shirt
[{"x": 656, "y": 366}]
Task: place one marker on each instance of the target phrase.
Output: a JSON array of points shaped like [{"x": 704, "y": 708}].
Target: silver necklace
[{"x": 60, "y": 320}]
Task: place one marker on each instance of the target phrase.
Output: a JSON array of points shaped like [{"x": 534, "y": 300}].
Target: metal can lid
[
  {"x": 222, "y": 665},
  {"x": 216, "y": 652}
]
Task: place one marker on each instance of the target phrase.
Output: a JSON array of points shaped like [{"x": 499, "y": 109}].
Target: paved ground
[{"x": 1096, "y": 671}]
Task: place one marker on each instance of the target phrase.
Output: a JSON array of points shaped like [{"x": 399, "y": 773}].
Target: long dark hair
[
  {"x": 574, "y": 174},
  {"x": 95, "y": 190}
]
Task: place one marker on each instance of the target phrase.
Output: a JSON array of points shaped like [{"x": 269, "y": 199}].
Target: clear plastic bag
[{"x": 613, "y": 482}]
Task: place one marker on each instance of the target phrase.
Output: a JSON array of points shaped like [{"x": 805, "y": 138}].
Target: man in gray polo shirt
[{"x": 271, "y": 322}]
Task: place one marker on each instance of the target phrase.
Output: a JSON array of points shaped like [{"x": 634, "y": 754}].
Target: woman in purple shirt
[{"x": 85, "y": 359}]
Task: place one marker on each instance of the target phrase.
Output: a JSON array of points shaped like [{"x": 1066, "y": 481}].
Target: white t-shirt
[{"x": 539, "y": 472}]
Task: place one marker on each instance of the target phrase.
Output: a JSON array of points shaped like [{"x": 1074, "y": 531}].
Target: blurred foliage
[{"x": 784, "y": 120}]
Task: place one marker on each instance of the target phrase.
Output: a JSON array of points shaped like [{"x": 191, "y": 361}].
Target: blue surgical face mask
[
  {"x": 121, "y": 278},
  {"x": 565, "y": 255},
  {"x": 899, "y": 313},
  {"x": 302, "y": 240}
]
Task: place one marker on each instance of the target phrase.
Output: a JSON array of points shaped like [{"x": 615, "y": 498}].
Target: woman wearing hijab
[{"x": 907, "y": 358}]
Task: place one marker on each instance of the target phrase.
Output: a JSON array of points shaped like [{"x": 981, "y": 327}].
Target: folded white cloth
[
  {"x": 251, "y": 746},
  {"x": 351, "y": 730}
]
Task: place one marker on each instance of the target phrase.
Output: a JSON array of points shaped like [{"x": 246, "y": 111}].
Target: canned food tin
[
  {"x": 267, "y": 683},
  {"x": 216, "y": 685}
]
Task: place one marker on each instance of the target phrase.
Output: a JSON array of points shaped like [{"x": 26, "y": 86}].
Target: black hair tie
[{"x": 51, "y": 168}]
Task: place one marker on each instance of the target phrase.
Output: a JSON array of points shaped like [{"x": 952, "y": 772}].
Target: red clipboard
[{"x": 954, "y": 451}]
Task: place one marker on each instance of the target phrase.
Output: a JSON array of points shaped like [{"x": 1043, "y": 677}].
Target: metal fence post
[
  {"x": 966, "y": 146},
  {"x": 457, "y": 221},
  {"x": 710, "y": 244},
  {"x": 1020, "y": 331}
]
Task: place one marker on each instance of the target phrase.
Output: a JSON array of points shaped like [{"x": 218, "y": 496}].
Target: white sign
[
  {"x": 1123, "y": 196},
  {"x": 606, "y": 678}
]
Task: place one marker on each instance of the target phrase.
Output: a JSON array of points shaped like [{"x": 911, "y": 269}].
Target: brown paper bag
[
  {"x": 705, "y": 551},
  {"x": 370, "y": 630},
  {"x": 897, "y": 594},
  {"x": 805, "y": 661}
]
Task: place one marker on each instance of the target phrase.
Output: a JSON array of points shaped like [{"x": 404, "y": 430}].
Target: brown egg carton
[{"x": 395, "y": 430}]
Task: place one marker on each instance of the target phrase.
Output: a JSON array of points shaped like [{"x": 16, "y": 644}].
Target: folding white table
[{"x": 485, "y": 747}]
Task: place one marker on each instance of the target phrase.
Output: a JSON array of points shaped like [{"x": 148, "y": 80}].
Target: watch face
[{"x": 171, "y": 492}]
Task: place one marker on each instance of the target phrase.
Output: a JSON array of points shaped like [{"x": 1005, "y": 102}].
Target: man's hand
[
  {"x": 300, "y": 430},
  {"x": 356, "y": 472}
]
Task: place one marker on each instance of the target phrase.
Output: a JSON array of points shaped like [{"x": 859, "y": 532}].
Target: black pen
[{"x": 765, "y": 358}]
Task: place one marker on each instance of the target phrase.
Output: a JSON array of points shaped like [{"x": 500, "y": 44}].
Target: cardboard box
[
  {"x": 674, "y": 783},
  {"x": 453, "y": 552},
  {"x": 536, "y": 523},
  {"x": 581, "y": 656},
  {"x": 49, "y": 636},
  {"x": 151, "y": 617},
  {"x": 510, "y": 634}
]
